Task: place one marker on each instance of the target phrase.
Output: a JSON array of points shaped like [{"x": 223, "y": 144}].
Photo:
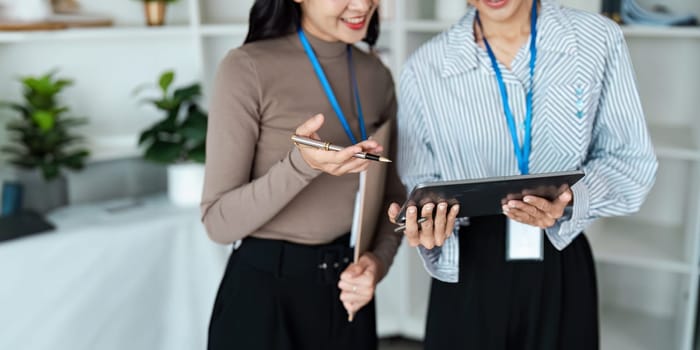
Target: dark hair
[{"x": 275, "y": 18}]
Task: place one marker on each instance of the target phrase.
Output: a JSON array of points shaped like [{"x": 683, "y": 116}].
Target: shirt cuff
[
  {"x": 301, "y": 167},
  {"x": 569, "y": 226},
  {"x": 442, "y": 263}
]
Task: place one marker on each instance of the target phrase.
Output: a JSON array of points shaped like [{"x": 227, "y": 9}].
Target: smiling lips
[
  {"x": 356, "y": 23},
  {"x": 495, "y": 4}
]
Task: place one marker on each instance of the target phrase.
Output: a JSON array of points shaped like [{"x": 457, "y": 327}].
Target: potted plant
[
  {"x": 42, "y": 143},
  {"x": 155, "y": 11},
  {"x": 178, "y": 139}
]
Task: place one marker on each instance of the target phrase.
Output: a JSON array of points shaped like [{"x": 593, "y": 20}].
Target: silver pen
[
  {"x": 403, "y": 227},
  {"x": 327, "y": 146}
]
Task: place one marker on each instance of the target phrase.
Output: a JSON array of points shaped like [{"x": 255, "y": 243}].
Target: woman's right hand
[
  {"x": 334, "y": 163},
  {"x": 432, "y": 232}
]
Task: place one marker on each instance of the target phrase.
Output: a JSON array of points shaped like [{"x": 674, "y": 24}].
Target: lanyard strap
[
  {"x": 329, "y": 91},
  {"x": 521, "y": 153}
]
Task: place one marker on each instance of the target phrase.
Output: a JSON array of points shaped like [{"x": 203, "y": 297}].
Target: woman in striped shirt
[{"x": 517, "y": 87}]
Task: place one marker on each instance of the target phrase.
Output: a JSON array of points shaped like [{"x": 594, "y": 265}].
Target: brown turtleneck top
[{"x": 257, "y": 184}]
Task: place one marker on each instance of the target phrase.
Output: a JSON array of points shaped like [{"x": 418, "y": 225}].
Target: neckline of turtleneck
[{"x": 322, "y": 48}]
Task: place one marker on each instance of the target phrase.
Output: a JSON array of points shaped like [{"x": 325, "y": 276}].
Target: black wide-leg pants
[
  {"x": 277, "y": 295},
  {"x": 514, "y": 305}
]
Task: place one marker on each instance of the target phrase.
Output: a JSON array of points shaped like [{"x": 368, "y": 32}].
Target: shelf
[
  {"x": 639, "y": 244},
  {"x": 634, "y": 31},
  {"x": 626, "y": 330},
  {"x": 433, "y": 26},
  {"x": 105, "y": 148},
  {"x": 118, "y": 32},
  {"x": 676, "y": 142},
  {"x": 224, "y": 29},
  {"x": 241, "y": 29}
]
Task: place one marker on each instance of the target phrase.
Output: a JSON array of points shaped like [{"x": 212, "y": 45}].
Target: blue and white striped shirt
[{"x": 586, "y": 115}]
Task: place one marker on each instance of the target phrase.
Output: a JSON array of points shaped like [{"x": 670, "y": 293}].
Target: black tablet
[{"x": 486, "y": 196}]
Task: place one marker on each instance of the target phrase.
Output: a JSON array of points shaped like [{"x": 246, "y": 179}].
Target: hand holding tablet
[
  {"x": 486, "y": 196},
  {"x": 435, "y": 201}
]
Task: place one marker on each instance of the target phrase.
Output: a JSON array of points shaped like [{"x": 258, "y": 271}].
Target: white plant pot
[
  {"x": 25, "y": 10},
  {"x": 450, "y": 10},
  {"x": 185, "y": 184}
]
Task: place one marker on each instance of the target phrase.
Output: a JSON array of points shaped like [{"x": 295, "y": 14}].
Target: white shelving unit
[
  {"x": 119, "y": 32},
  {"x": 647, "y": 264},
  {"x": 108, "y": 63}
]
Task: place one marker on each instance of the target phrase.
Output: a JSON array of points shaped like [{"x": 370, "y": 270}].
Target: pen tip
[{"x": 385, "y": 160}]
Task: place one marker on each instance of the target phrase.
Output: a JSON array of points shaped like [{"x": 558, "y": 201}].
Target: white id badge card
[{"x": 524, "y": 242}]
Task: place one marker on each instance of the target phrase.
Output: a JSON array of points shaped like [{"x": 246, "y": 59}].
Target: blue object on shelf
[{"x": 12, "y": 193}]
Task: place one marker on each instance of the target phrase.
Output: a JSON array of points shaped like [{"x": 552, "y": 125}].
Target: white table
[{"x": 139, "y": 278}]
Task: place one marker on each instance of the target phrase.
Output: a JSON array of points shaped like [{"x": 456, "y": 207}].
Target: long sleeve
[
  {"x": 416, "y": 164},
  {"x": 234, "y": 205},
  {"x": 416, "y": 159},
  {"x": 387, "y": 241},
  {"x": 621, "y": 165}
]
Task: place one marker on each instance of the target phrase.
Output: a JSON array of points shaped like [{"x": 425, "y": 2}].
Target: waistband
[{"x": 323, "y": 262}]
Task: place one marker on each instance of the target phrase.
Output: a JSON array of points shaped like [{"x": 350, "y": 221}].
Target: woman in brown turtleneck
[{"x": 290, "y": 283}]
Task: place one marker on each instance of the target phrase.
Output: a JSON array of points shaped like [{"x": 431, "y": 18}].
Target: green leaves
[
  {"x": 195, "y": 126},
  {"x": 41, "y": 136},
  {"x": 164, "y": 152},
  {"x": 40, "y": 91},
  {"x": 197, "y": 153},
  {"x": 180, "y": 135},
  {"x": 44, "y": 120},
  {"x": 75, "y": 160},
  {"x": 45, "y": 85},
  {"x": 166, "y": 104},
  {"x": 50, "y": 170},
  {"x": 16, "y": 107},
  {"x": 189, "y": 93},
  {"x": 165, "y": 80}
]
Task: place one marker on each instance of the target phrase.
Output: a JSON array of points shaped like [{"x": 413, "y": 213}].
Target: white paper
[
  {"x": 524, "y": 242},
  {"x": 357, "y": 213}
]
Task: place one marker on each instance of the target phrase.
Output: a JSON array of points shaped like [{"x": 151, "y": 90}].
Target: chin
[
  {"x": 502, "y": 13},
  {"x": 352, "y": 38},
  {"x": 500, "y": 16}
]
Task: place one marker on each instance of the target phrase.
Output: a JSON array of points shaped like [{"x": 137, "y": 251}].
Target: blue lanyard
[
  {"x": 522, "y": 153},
  {"x": 329, "y": 91}
]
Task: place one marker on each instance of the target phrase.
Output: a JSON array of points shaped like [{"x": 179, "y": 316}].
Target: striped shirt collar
[{"x": 463, "y": 53}]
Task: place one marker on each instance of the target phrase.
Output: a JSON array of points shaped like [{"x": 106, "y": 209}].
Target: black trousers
[
  {"x": 277, "y": 295},
  {"x": 524, "y": 305}
]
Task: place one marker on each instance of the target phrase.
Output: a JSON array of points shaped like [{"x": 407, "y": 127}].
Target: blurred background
[{"x": 113, "y": 255}]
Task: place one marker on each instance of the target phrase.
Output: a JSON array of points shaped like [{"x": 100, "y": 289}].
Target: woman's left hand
[
  {"x": 537, "y": 211},
  {"x": 358, "y": 281}
]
